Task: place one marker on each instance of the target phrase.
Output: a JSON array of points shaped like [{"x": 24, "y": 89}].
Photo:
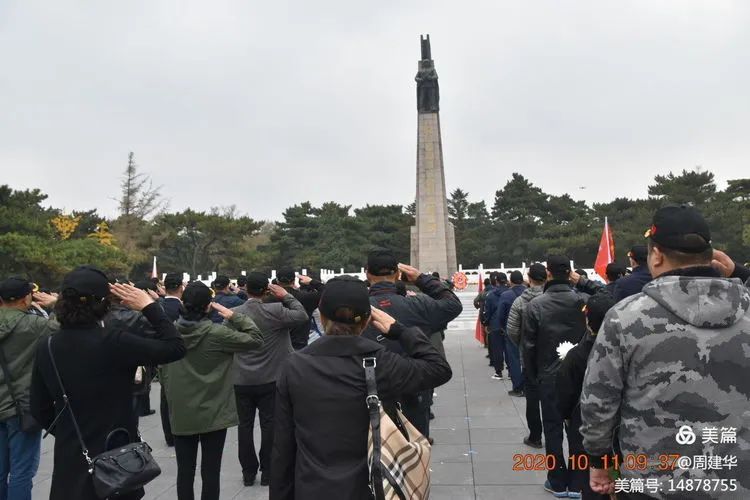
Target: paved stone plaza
[{"x": 477, "y": 431}]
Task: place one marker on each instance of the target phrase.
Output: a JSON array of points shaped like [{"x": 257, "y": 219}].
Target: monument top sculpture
[
  {"x": 426, "y": 51},
  {"x": 428, "y": 91}
]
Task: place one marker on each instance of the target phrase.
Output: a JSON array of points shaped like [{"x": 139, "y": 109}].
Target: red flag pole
[
  {"x": 606, "y": 253},
  {"x": 479, "y": 329}
]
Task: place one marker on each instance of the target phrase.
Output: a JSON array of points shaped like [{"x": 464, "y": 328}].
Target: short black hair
[
  {"x": 615, "y": 271},
  {"x": 685, "y": 259}
]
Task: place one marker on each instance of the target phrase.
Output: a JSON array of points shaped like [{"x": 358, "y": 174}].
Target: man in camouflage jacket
[{"x": 674, "y": 355}]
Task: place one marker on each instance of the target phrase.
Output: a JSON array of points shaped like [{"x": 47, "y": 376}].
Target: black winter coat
[
  {"x": 570, "y": 378},
  {"x": 429, "y": 311},
  {"x": 173, "y": 306},
  {"x": 309, "y": 297},
  {"x": 97, "y": 366},
  {"x": 120, "y": 317},
  {"x": 550, "y": 319},
  {"x": 321, "y": 420}
]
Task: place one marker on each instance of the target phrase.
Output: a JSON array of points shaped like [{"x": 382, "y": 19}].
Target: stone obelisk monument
[{"x": 433, "y": 240}]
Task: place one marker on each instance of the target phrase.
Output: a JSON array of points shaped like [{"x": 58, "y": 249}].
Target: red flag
[
  {"x": 479, "y": 329},
  {"x": 606, "y": 252}
]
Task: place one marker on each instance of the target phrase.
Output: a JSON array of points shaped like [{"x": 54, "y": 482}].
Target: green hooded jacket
[
  {"x": 19, "y": 333},
  {"x": 199, "y": 386}
]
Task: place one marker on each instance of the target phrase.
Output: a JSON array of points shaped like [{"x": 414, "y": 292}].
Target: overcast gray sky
[{"x": 266, "y": 104}]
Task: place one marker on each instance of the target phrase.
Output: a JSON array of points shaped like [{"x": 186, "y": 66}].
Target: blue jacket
[
  {"x": 227, "y": 300},
  {"x": 633, "y": 283},
  {"x": 506, "y": 300},
  {"x": 492, "y": 308}
]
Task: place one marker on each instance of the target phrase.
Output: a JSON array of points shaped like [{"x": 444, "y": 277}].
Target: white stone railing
[{"x": 472, "y": 275}]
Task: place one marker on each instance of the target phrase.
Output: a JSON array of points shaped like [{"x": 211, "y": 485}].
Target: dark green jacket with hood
[
  {"x": 19, "y": 332},
  {"x": 199, "y": 387}
]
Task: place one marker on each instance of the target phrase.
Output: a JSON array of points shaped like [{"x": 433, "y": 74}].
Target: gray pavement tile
[
  {"x": 499, "y": 452},
  {"x": 525, "y": 492},
  {"x": 443, "y": 492},
  {"x": 444, "y": 422},
  {"x": 453, "y": 473},
  {"x": 505, "y": 435},
  {"x": 450, "y": 453},
  {"x": 494, "y": 421},
  {"x": 450, "y": 436},
  {"x": 501, "y": 472}
]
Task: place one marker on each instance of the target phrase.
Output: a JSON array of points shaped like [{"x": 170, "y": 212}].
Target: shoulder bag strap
[
  {"x": 373, "y": 407},
  {"x": 70, "y": 409}
]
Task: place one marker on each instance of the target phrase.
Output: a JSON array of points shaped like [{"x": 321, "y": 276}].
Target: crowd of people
[
  {"x": 663, "y": 344},
  {"x": 80, "y": 364},
  {"x": 615, "y": 369}
]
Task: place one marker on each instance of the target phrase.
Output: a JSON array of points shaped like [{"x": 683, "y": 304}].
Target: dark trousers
[
  {"x": 533, "y": 411},
  {"x": 497, "y": 350},
  {"x": 513, "y": 360},
  {"x": 186, "y": 449},
  {"x": 251, "y": 398},
  {"x": 553, "y": 434},
  {"x": 416, "y": 408},
  {"x": 166, "y": 425},
  {"x": 579, "y": 479}
]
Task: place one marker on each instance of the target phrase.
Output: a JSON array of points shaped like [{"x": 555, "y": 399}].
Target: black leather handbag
[{"x": 117, "y": 471}]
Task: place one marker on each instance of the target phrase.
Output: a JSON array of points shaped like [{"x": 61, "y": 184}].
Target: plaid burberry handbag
[{"x": 398, "y": 454}]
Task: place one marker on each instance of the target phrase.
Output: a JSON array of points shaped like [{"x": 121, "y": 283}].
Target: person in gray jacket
[
  {"x": 537, "y": 278},
  {"x": 256, "y": 372},
  {"x": 669, "y": 369}
]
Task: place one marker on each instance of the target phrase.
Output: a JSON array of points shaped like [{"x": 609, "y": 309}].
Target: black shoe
[
  {"x": 170, "y": 443},
  {"x": 148, "y": 413},
  {"x": 518, "y": 394},
  {"x": 432, "y": 416},
  {"x": 247, "y": 479},
  {"x": 264, "y": 479},
  {"x": 533, "y": 444}
]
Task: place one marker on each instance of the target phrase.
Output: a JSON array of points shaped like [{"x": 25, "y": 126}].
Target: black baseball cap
[
  {"x": 558, "y": 264},
  {"x": 538, "y": 272},
  {"x": 342, "y": 293},
  {"x": 257, "y": 282},
  {"x": 172, "y": 281},
  {"x": 382, "y": 262},
  {"x": 500, "y": 277},
  {"x": 680, "y": 227},
  {"x": 87, "y": 281},
  {"x": 197, "y": 295},
  {"x": 221, "y": 282},
  {"x": 638, "y": 253},
  {"x": 516, "y": 277},
  {"x": 286, "y": 274},
  {"x": 146, "y": 285},
  {"x": 15, "y": 288}
]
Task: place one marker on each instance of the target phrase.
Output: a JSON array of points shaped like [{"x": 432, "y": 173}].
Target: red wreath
[{"x": 460, "y": 281}]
